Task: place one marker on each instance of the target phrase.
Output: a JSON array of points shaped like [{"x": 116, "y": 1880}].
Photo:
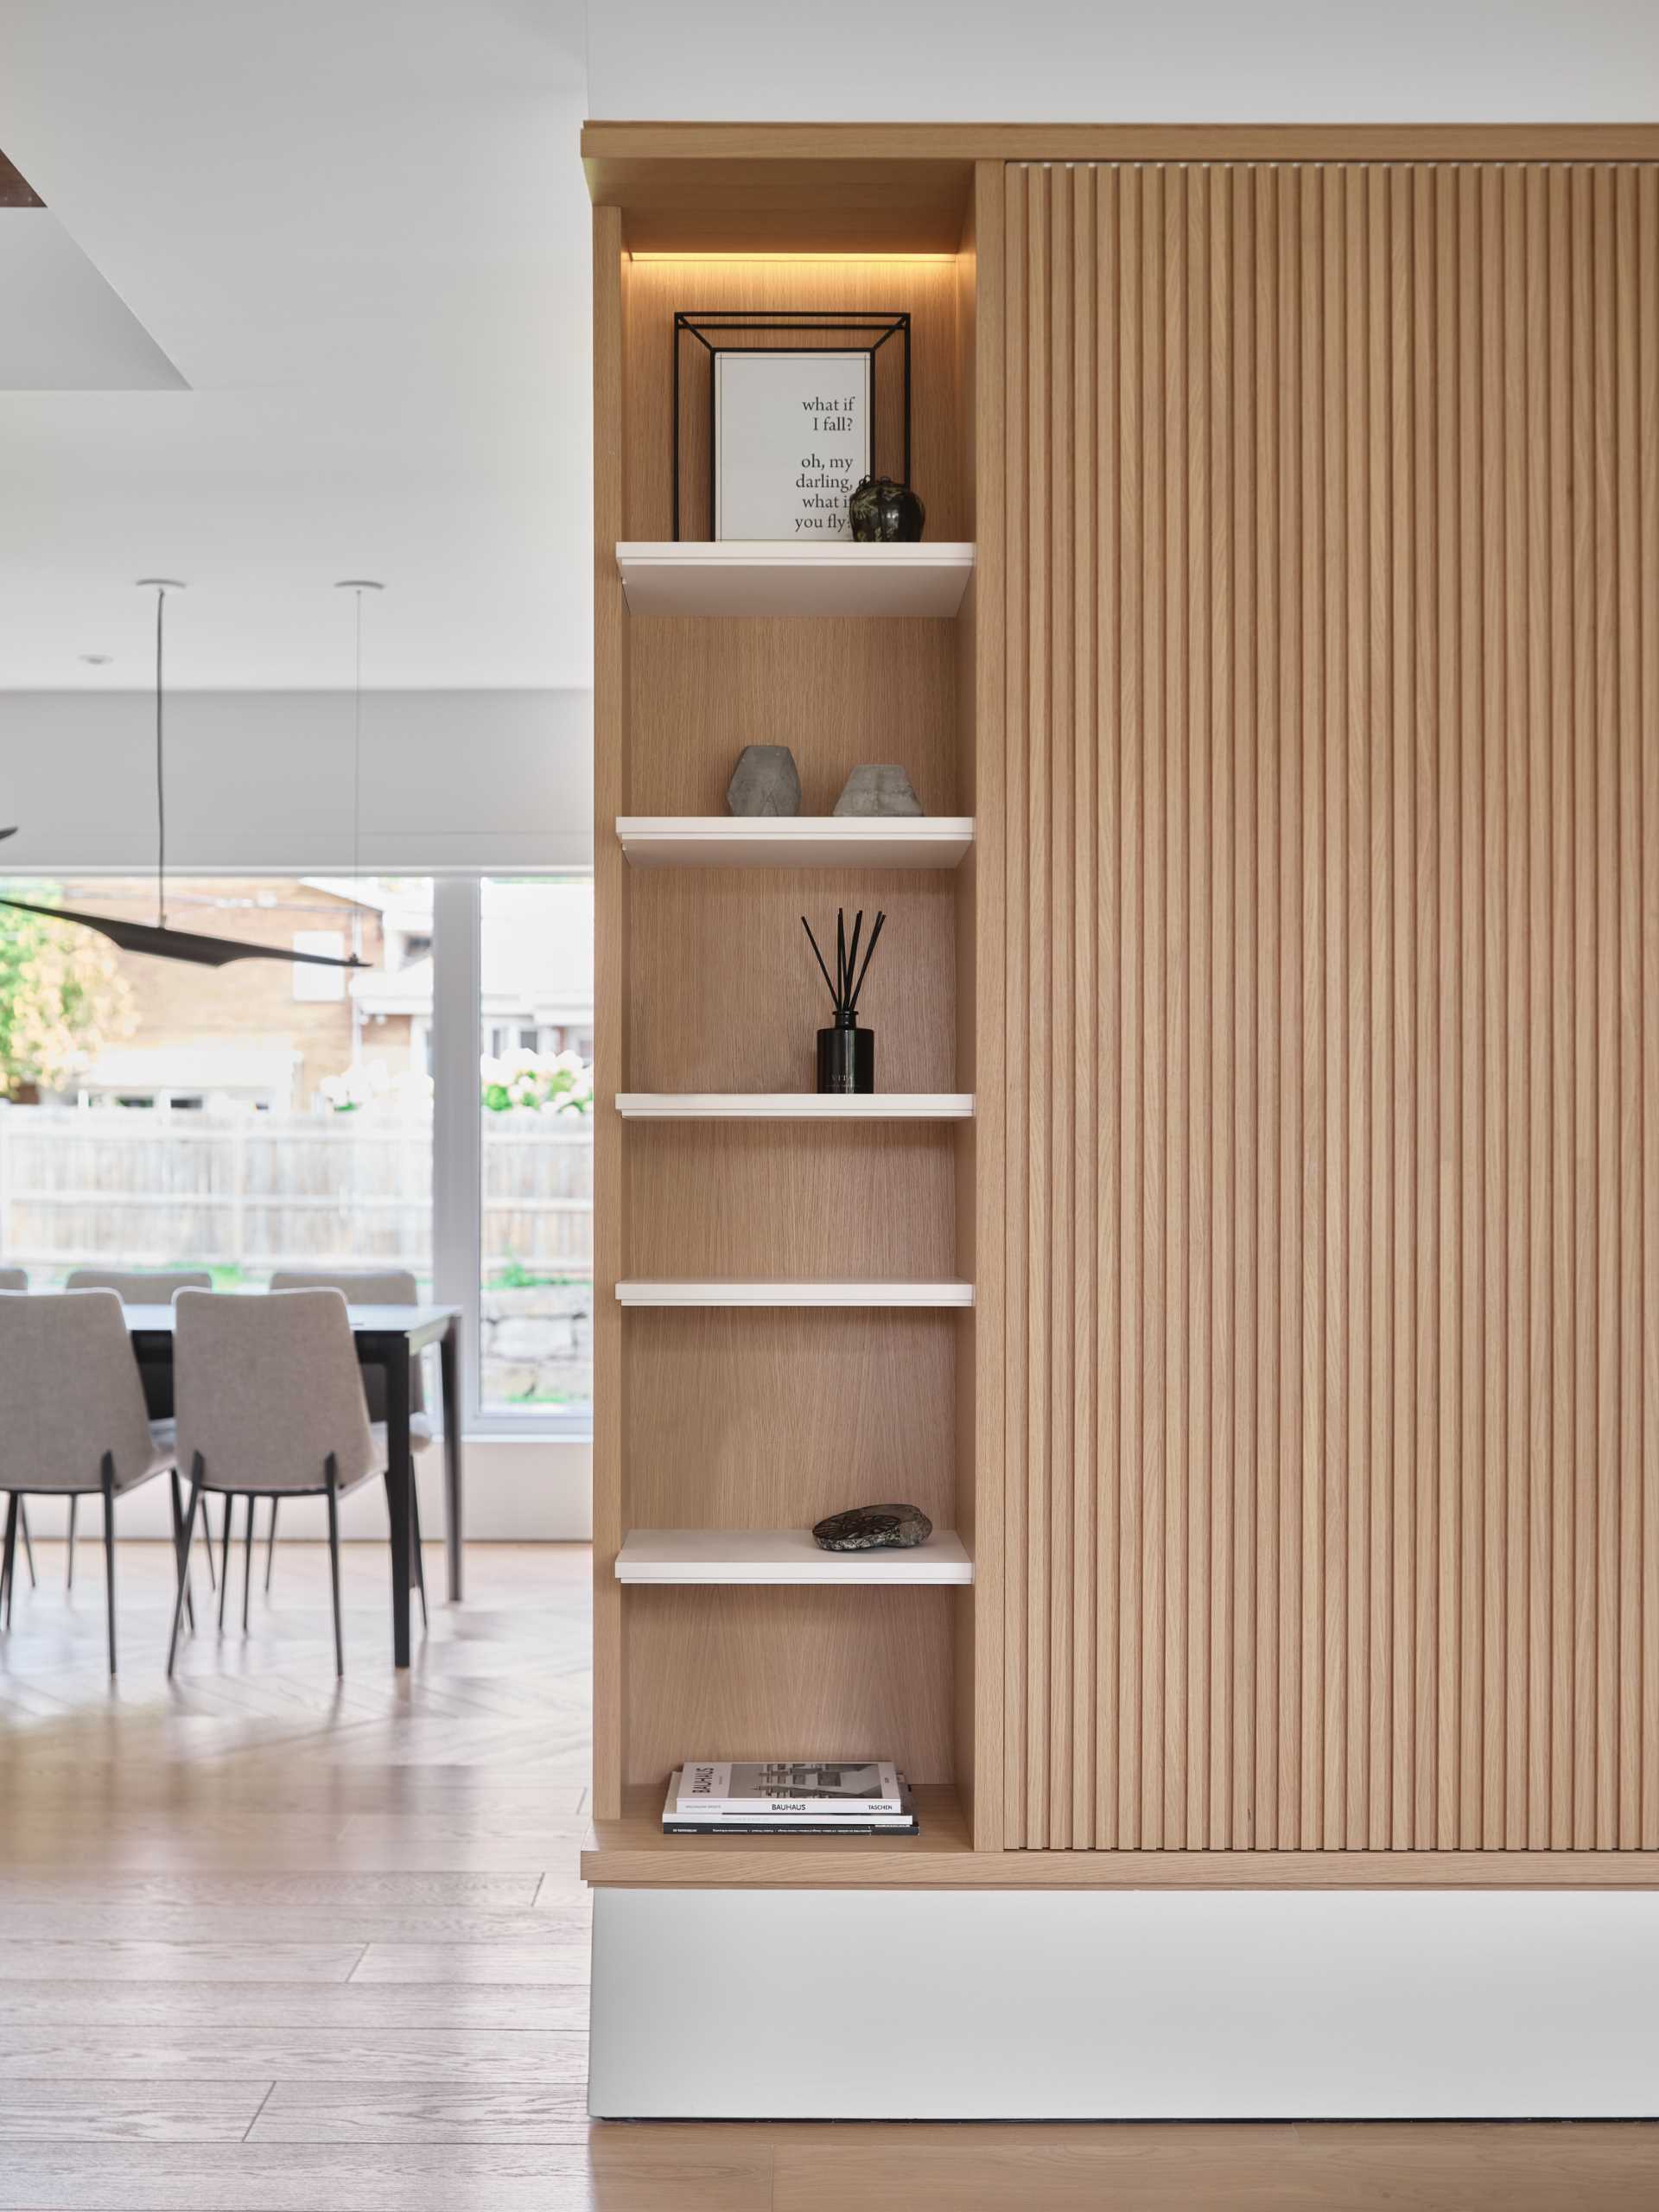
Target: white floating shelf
[
  {"x": 795, "y": 1294},
  {"x": 794, "y": 1106},
  {"x": 794, "y": 841},
  {"x": 741, "y": 576},
  {"x": 728, "y": 1556}
]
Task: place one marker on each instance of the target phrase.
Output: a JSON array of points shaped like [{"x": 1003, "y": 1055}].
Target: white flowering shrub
[{"x": 539, "y": 1082}]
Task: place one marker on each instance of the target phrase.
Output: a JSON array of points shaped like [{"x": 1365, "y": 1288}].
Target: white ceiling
[
  {"x": 64, "y": 328},
  {"x": 1127, "y": 60},
  {"x": 358, "y": 228}
]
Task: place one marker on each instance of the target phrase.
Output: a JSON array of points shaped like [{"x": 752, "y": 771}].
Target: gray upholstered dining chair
[
  {"x": 143, "y": 1287},
  {"x": 72, "y": 1418},
  {"x": 371, "y": 1287},
  {"x": 16, "y": 1279},
  {"x": 270, "y": 1404}
]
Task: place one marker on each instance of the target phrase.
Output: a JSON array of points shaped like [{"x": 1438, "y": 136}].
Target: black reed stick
[
  {"x": 835, "y": 997},
  {"x": 842, "y": 988},
  {"x": 869, "y": 950}
]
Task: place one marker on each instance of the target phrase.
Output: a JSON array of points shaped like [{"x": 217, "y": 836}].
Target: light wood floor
[{"x": 268, "y": 1944}]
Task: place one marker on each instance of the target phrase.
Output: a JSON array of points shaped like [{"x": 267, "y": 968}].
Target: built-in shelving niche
[{"x": 794, "y": 1324}]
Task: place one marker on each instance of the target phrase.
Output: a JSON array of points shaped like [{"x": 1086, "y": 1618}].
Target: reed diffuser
[{"x": 846, "y": 1053}]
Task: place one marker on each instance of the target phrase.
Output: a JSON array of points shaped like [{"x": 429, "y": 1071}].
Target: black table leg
[
  {"x": 448, "y": 1366},
  {"x": 400, "y": 1483}
]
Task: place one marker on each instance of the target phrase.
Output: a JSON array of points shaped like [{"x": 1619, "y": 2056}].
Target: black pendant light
[{"x": 159, "y": 941}]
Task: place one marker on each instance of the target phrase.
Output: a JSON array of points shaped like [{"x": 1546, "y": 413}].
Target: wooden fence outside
[{"x": 256, "y": 1191}]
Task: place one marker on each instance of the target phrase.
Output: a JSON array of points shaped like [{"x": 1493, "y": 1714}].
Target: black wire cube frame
[{"x": 698, "y": 322}]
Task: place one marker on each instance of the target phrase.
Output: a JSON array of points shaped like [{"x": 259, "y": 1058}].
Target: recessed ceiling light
[{"x": 98, "y": 661}]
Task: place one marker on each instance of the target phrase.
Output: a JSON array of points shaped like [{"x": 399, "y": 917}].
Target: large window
[
  {"x": 536, "y": 961},
  {"x": 432, "y": 1112}
]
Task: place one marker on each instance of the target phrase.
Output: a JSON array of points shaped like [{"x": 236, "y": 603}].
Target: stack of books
[{"x": 813, "y": 1797}]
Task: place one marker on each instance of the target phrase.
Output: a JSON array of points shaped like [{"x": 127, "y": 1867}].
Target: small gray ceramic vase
[
  {"x": 878, "y": 788},
  {"x": 764, "y": 781}
]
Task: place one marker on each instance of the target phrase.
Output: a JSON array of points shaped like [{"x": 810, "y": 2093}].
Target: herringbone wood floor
[{"x": 270, "y": 1944}]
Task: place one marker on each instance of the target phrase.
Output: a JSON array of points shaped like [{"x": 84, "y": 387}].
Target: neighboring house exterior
[
  {"x": 260, "y": 1033},
  {"x": 266, "y": 1034}
]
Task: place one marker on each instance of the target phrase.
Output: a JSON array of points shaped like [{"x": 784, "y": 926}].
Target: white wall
[
  {"x": 1125, "y": 60},
  {"x": 264, "y": 781}
]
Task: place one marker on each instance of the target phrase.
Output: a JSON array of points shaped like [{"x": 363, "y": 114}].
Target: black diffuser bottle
[{"x": 846, "y": 1053}]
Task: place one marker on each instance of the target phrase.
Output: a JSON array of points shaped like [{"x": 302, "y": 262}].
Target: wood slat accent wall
[{"x": 1331, "y": 1362}]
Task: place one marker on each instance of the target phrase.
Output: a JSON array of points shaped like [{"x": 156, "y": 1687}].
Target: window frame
[{"x": 458, "y": 1150}]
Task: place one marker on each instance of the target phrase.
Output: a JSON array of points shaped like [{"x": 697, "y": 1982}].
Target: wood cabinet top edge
[{"x": 955, "y": 144}]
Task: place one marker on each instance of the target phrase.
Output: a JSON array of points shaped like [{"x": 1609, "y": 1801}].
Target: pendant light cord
[
  {"x": 161, "y": 777},
  {"x": 357, "y": 748}
]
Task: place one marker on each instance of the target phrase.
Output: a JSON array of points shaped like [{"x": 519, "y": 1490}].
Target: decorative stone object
[
  {"x": 764, "y": 781},
  {"x": 881, "y": 512},
  {"x": 878, "y": 788},
  {"x": 874, "y": 1528}
]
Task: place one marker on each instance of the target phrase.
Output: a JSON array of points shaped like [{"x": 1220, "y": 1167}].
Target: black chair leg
[
  {"x": 69, "y": 1571},
  {"x": 334, "y": 1565},
  {"x": 189, "y": 1535},
  {"x": 247, "y": 1563},
  {"x": 207, "y": 1545},
  {"x": 184, "y": 1559},
  {"x": 108, "y": 1471},
  {"x": 415, "y": 1544},
  {"x": 28, "y": 1547},
  {"x": 270, "y": 1547},
  {"x": 225, "y": 1558},
  {"x": 8, "y": 1557}
]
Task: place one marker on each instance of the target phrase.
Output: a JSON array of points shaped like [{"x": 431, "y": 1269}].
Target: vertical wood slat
[
  {"x": 1222, "y": 1432},
  {"x": 1131, "y": 562},
  {"x": 1445, "y": 802},
  {"x": 1022, "y": 1701},
  {"x": 1106, "y": 1077},
  {"x": 1200, "y": 1437},
  {"x": 1332, "y": 714}
]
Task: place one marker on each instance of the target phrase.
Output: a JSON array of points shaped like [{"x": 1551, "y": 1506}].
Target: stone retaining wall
[{"x": 538, "y": 1344}]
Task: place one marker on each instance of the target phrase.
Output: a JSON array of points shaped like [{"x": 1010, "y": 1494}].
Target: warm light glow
[{"x": 947, "y": 260}]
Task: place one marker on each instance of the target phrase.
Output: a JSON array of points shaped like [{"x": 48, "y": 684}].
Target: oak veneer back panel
[
  {"x": 835, "y": 1671},
  {"x": 837, "y": 691},
  {"x": 724, "y": 993},
  {"x": 760, "y": 1199},
  {"x": 770, "y": 1419},
  {"x": 1332, "y": 1357}
]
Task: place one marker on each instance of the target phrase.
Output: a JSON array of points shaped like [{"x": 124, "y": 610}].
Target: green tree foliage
[{"x": 62, "y": 996}]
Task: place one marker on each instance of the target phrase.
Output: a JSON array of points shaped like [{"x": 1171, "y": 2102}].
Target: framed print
[
  {"x": 791, "y": 442},
  {"x": 779, "y": 416}
]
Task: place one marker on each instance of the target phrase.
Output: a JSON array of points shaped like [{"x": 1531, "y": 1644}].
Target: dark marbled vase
[{"x": 881, "y": 512}]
